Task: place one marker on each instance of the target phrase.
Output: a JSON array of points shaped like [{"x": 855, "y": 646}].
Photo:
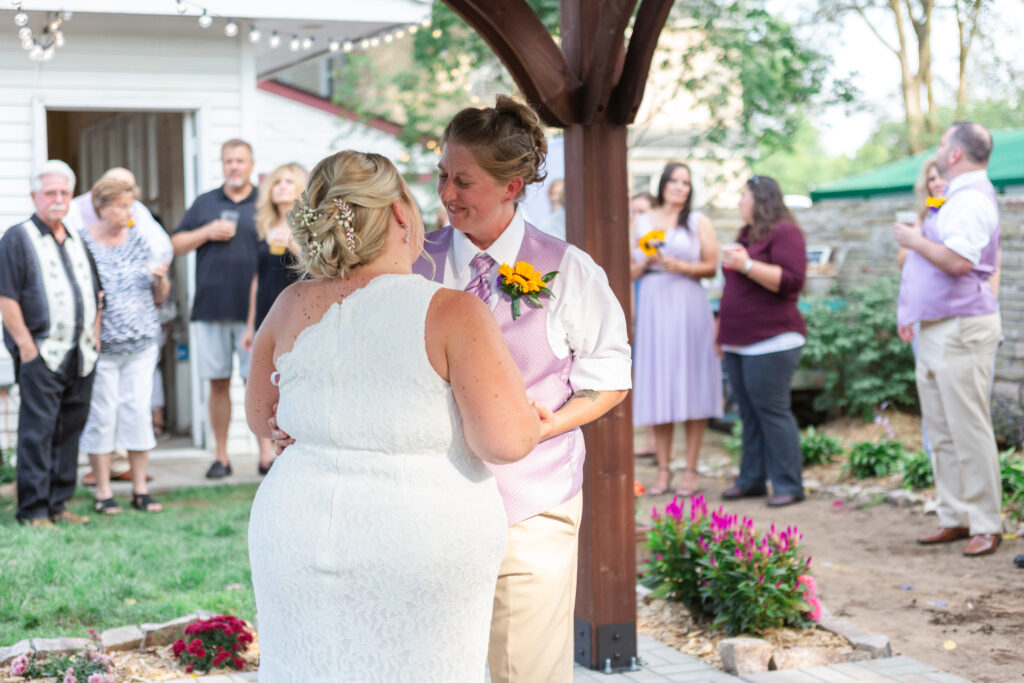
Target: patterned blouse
[{"x": 129, "y": 322}]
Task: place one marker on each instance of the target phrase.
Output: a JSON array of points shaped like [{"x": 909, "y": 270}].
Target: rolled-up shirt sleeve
[
  {"x": 594, "y": 325},
  {"x": 789, "y": 251},
  {"x": 965, "y": 224}
]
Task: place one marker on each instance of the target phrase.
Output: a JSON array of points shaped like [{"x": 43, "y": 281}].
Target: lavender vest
[
  {"x": 552, "y": 473},
  {"x": 928, "y": 293}
]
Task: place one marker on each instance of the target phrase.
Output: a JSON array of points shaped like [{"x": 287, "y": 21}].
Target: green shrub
[
  {"x": 8, "y": 472},
  {"x": 819, "y": 448},
  {"x": 855, "y": 343},
  {"x": 875, "y": 458},
  {"x": 1011, "y": 470},
  {"x": 917, "y": 471},
  {"x": 721, "y": 568},
  {"x": 733, "y": 444}
]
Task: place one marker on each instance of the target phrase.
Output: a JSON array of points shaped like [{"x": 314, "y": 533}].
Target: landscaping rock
[
  {"x": 167, "y": 632},
  {"x": 7, "y": 654},
  {"x": 902, "y": 498},
  {"x": 803, "y": 658},
  {"x": 745, "y": 655},
  {"x": 869, "y": 496},
  {"x": 875, "y": 645},
  {"x": 58, "y": 646},
  {"x": 123, "y": 638}
]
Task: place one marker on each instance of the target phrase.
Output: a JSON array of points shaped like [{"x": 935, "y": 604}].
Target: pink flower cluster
[
  {"x": 216, "y": 641},
  {"x": 810, "y": 587},
  {"x": 20, "y": 663}
]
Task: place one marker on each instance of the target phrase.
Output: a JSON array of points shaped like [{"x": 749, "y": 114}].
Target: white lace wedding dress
[{"x": 376, "y": 538}]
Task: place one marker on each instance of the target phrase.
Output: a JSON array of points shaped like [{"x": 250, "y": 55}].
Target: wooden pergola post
[{"x": 592, "y": 87}]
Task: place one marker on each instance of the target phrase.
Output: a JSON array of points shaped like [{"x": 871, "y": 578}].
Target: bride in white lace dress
[{"x": 376, "y": 538}]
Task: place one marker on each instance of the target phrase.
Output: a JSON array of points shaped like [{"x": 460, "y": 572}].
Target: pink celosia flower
[
  {"x": 70, "y": 677},
  {"x": 815, "y": 613},
  {"x": 808, "y": 581}
]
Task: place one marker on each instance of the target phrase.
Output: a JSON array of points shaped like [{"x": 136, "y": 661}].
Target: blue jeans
[{"x": 771, "y": 438}]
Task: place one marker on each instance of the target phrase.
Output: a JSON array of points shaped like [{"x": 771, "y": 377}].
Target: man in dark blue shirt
[
  {"x": 220, "y": 226},
  {"x": 49, "y": 300}
]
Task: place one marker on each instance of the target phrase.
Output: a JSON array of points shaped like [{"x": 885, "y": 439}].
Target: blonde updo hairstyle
[
  {"x": 506, "y": 140},
  {"x": 370, "y": 183}
]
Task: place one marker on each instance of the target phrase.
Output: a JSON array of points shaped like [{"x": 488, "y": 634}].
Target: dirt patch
[{"x": 963, "y": 615}]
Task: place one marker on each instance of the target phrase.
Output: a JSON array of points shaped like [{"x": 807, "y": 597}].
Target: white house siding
[{"x": 286, "y": 131}]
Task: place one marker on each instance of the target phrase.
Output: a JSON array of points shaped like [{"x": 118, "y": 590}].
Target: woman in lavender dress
[{"x": 677, "y": 376}]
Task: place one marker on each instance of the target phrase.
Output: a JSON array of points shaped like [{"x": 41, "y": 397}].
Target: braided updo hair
[
  {"x": 341, "y": 220},
  {"x": 507, "y": 140}
]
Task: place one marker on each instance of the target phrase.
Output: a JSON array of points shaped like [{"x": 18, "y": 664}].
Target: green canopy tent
[{"x": 1006, "y": 168}]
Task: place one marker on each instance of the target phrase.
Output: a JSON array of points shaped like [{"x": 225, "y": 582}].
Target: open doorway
[{"x": 153, "y": 146}]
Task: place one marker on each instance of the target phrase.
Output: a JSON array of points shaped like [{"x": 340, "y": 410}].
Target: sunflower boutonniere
[
  {"x": 652, "y": 242},
  {"x": 524, "y": 280},
  {"x": 934, "y": 203}
]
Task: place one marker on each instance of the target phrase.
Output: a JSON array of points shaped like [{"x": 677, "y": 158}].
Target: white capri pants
[{"x": 119, "y": 413}]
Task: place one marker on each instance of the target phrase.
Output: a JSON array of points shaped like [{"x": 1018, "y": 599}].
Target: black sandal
[
  {"x": 145, "y": 502},
  {"x": 105, "y": 506}
]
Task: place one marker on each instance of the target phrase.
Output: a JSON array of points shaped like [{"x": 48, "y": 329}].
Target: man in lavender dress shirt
[{"x": 945, "y": 287}]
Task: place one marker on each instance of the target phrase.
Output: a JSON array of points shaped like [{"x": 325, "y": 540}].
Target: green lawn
[{"x": 125, "y": 569}]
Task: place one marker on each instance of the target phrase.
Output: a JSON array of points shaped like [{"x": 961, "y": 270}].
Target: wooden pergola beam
[
  {"x": 519, "y": 38},
  {"x": 624, "y": 101}
]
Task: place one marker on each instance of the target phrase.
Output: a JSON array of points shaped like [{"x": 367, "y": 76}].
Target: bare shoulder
[{"x": 453, "y": 307}]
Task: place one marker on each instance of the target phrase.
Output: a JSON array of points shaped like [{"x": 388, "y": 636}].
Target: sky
[{"x": 855, "y": 50}]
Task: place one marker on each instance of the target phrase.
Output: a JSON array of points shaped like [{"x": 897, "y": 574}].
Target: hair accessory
[
  {"x": 344, "y": 219},
  {"x": 308, "y": 216}
]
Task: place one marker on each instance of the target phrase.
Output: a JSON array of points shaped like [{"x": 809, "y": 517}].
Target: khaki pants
[
  {"x": 954, "y": 368},
  {"x": 532, "y": 625}
]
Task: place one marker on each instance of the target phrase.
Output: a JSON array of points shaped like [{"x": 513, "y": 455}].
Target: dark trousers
[
  {"x": 54, "y": 406},
  {"x": 771, "y": 438}
]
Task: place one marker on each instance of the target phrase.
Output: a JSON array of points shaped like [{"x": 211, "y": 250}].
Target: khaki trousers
[
  {"x": 954, "y": 369},
  {"x": 532, "y": 624}
]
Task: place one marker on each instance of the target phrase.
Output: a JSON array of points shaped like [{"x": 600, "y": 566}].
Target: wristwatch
[{"x": 750, "y": 264}]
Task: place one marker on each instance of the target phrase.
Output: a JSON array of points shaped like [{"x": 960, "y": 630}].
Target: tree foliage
[{"x": 763, "y": 70}]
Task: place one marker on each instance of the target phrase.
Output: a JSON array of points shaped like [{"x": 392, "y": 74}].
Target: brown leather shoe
[
  {"x": 69, "y": 517},
  {"x": 41, "y": 523},
  {"x": 945, "y": 534},
  {"x": 982, "y": 544}
]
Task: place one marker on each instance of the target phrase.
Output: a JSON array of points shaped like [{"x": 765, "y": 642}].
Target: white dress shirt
[
  {"x": 583, "y": 319},
  {"x": 966, "y": 224}
]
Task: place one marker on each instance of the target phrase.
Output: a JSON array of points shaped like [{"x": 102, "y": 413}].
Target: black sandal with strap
[
  {"x": 105, "y": 506},
  {"x": 145, "y": 502}
]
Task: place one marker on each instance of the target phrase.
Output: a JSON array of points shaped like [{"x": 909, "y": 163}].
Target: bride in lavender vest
[{"x": 570, "y": 344}]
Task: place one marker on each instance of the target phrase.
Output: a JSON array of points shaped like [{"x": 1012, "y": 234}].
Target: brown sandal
[{"x": 685, "y": 491}]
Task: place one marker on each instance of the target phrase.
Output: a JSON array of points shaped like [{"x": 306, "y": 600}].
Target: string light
[
  {"x": 43, "y": 48},
  {"x": 254, "y": 34},
  {"x": 307, "y": 42},
  {"x": 231, "y": 28},
  {"x": 334, "y": 45},
  {"x": 275, "y": 40},
  {"x": 347, "y": 46},
  {"x": 294, "y": 44},
  {"x": 205, "y": 20},
  {"x": 181, "y": 7}
]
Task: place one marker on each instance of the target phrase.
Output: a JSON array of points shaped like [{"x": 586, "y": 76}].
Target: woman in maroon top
[{"x": 761, "y": 333}]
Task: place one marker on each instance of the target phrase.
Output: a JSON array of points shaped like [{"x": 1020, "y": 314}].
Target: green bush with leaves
[
  {"x": 8, "y": 472},
  {"x": 720, "y": 567},
  {"x": 733, "y": 444},
  {"x": 855, "y": 342},
  {"x": 1011, "y": 470},
  {"x": 819, "y": 448},
  {"x": 917, "y": 471},
  {"x": 876, "y": 458}
]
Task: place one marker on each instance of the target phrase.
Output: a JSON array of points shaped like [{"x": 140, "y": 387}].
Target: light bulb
[
  {"x": 347, "y": 47},
  {"x": 27, "y": 43},
  {"x": 388, "y": 38},
  {"x": 436, "y": 33},
  {"x": 205, "y": 20},
  {"x": 425, "y": 23},
  {"x": 24, "y": 32},
  {"x": 399, "y": 33},
  {"x": 58, "y": 38},
  {"x": 333, "y": 45},
  {"x": 181, "y": 7},
  {"x": 374, "y": 42},
  {"x": 20, "y": 18},
  {"x": 307, "y": 42},
  {"x": 47, "y": 54},
  {"x": 294, "y": 44},
  {"x": 36, "y": 52},
  {"x": 275, "y": 40},
  {"x": 254, "y": 35},
  {"x": 364, "y": 43},
  {"x": 231, "y": 28},
  {"x": 413, "y": 29}
]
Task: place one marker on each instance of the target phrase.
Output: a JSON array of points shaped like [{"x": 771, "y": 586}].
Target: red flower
[
  {"x": 238, "y": 662},
  {"x": 219, "y": 659}
]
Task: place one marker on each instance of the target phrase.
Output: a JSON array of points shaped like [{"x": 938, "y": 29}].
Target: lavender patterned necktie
[{"x": 479, "y": 285}]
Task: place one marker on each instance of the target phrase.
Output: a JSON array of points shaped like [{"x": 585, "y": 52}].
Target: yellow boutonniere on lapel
[
  {"x": 524, "y": 280},
  {"x": 934, "y": 203},
  {"x": 652, "y": 242}
]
